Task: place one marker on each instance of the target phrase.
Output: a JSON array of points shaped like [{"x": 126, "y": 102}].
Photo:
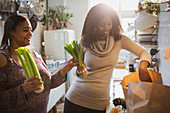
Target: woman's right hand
[
  {"x": 31, "y": 84},
  {"x": 143, "y": 72},
  {"x": 70, "y": 64},
  {"x": 81, "y": 68}
]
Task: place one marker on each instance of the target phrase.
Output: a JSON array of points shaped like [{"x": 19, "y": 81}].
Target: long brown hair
[
  {"x": 10, "y": 25},
  {"x": 95, "y": 14}
]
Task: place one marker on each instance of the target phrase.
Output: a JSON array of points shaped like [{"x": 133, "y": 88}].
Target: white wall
[
  {"x": 79, "y": 8},
  {"x": 163, "y": 41},
  {"x": 54, "y": 3},
  {"x": 37, "y": 38}
]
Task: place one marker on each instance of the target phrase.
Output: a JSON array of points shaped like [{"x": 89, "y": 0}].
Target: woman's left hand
[
  {"x": 70, "y": 64},
  {"x": 143, "y": 72}
]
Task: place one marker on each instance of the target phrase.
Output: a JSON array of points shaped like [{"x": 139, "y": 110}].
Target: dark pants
[{"x": 69, "y": 107}]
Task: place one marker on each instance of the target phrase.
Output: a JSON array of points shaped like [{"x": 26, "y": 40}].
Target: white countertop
[
  {"x": 115, "y": 86},
  {"x": 118, "y": 74}
]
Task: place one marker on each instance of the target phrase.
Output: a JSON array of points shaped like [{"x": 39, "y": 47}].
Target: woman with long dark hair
[
  {"x": 16, "y": 90},
  {"x": 102, "y": 39}
]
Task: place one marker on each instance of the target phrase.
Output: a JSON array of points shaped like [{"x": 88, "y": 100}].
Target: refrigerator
[{"x": 55, "y": 41}]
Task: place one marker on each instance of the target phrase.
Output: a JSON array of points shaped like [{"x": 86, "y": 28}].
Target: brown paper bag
[
  {"x": 134, "y": 77},
  {"x": 145, "y": 97}
]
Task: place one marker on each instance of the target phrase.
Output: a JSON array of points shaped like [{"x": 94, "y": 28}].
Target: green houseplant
[
  {"x": 151, "y": 7},
  {"x": 63, "y": 15},
  {"x": 50, "y": 18},
  {"x": 57, "y": 17}
]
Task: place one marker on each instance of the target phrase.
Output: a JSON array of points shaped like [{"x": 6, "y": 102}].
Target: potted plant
[
  {"x": 151, "y": 7},
  {"x": 57, "y": 18},
  {"x": 50, "y": 18},
  {"x": 63, "y": 15}
]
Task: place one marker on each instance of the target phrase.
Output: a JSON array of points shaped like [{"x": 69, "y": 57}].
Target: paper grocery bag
[
  {"x": 134, "y": 77},
  {"x": 147, "y": 97}
]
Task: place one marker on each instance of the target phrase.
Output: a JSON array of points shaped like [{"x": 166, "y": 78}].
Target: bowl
[
  {"x": 146, "y": 31},
  {"x": 144, "y": 20}
]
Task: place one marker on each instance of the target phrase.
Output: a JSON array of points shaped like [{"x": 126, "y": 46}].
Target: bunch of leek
[
  {"x": 28, "y": 64},
  {"x": 74, "y": 49}
]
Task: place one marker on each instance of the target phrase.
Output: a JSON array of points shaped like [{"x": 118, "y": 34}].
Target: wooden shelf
[{"x": 148, "y": 44}]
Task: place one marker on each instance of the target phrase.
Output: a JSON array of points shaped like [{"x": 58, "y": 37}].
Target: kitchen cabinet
[{"x": 56, "y": 94}]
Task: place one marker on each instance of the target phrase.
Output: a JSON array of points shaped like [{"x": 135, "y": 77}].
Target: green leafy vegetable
[
  {"x": 74, "y": 49},
  {"x": 28, "y": 64}
]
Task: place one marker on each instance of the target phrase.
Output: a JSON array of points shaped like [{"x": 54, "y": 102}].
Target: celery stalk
[
  {"x": 23, "y": 64},
  {"x": 27, "y": 61},
  {"x": 80, "y": 55},
  {"x": 34, "y": 68},
  {"x": 29, "y": 65},
  {"x": 74, "y": 49}
]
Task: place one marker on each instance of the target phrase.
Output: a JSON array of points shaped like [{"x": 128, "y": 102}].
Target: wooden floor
[{"x": 59, "y": 107}]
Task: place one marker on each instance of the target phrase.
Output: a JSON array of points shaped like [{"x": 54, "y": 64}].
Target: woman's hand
[
  {"x": 143, "y": 72},
  {"x": 81, "y": 68},
  {"x": 31, "y": 84},
  {"x": 70, "y": 64}
]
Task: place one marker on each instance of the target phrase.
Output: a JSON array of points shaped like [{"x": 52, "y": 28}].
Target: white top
[{"x": 93, "y": 91}]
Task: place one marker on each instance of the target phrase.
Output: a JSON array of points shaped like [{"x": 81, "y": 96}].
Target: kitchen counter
[{"x": 118, "y": 74}]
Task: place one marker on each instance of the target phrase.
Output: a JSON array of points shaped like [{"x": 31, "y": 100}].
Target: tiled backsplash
[{"x": 163, "y": 41}]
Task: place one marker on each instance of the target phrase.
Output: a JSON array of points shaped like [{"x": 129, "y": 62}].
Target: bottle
[
  {"x": 131, "y": 68},
  {"x": 47, "y": 62},
  {"x": 50, "y": 62}
]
